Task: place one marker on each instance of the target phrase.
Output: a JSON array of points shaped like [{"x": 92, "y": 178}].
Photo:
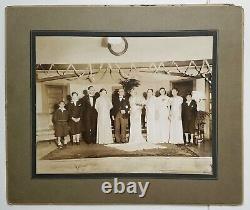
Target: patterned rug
[{"x": 120, "y": 150}]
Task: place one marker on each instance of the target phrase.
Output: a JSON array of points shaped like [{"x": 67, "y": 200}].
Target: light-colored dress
[
  {"x": 104, "y": 131},
  {"x": 176, "y": 129},
  {"x": 151, "y": 119},
  {"x": 162, "y": 119},
  {"x": 135, "y": 134}
]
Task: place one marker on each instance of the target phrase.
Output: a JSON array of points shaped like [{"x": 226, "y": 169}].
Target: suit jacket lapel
[
  {"x": 94, "y": 100},
  {"x": 87, "y": 100}
]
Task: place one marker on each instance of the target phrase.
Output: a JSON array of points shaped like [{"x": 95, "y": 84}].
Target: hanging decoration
[{"x": 192, "y": 69}]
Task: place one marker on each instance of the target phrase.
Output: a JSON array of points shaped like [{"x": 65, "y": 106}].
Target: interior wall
[
  {"x": 140, "y": 90},
  {"x": 53, "y": 49}
]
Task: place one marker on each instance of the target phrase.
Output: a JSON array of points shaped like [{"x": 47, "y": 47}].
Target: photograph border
[{"x": 177, "y": 33}]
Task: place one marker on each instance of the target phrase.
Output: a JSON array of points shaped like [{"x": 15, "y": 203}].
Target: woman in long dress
[
  {"x": 104, "y": 131},
  {"x": 176, "y": 129},
  {"x": 162, "y": 117},
  {"x": 136, "y": 104},
  {"x": 150, "y": 116}
]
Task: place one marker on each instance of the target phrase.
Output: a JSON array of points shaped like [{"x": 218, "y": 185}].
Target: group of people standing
[{"x": 168, "y": 119}]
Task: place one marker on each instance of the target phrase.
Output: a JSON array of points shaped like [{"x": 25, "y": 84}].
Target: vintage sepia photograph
[{"x": 124, "y": 103}]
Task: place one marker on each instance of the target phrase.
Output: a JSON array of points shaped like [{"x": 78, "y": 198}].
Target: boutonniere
[{"x": 126, "y": 106}]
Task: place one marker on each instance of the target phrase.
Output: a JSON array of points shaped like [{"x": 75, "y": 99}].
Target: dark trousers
[
  {"x": 120, "y": 128},
  {"x": 90, "y": 129},
  {"x": 90, "y": 136}
]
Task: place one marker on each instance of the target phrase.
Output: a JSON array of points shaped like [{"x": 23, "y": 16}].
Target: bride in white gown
[{"x": 136, "y": 104}]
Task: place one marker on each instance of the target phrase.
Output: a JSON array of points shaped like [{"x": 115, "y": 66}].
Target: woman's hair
[
  {"x": 103, "y": 89},
  {"x": 61, "y": 102},
  {"x": 162, "y": 88},
  {"x": 85, "y": 92},
  {"x": 73, "y": 93},
  {"x": 150, "y": 89},
  {"x": 176, "y": 89}
]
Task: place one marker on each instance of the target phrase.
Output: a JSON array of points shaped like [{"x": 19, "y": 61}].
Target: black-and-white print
[{"x": 124, "y": 104}]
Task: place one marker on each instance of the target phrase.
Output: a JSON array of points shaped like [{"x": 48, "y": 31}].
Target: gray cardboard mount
[{"x": 226, "y": 19}]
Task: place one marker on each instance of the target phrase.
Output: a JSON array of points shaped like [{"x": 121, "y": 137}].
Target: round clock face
[{"x": 117, "y": 45}]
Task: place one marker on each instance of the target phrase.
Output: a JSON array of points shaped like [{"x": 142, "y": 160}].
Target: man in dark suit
[
  {"x": 89, "y": 116},
  {"x": 120, "y": 116},
  {"x": 189, "y": 114}
]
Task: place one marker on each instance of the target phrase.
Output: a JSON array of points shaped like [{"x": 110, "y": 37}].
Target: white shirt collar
[{"x": 63, "y": 109}]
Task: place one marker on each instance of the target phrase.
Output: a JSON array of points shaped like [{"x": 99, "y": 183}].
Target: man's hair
[
  {"x": 61, "y": 102},
  {"x": 90, "y": 87},
  {"x": 102, "y": 89},
  {"x": 73, "y": 93}
]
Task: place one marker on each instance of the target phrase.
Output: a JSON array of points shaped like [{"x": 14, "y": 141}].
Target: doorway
[
  {"x": 184, "y": 87},
  {"x": 54, "y": 94}
]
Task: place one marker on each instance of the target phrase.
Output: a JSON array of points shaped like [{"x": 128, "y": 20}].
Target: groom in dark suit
[
  {"x": 89, "y": 116},
  {"x": 120, "y": 116}
]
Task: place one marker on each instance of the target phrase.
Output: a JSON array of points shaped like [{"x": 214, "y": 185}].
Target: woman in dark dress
[
  {"x": 189, "y": 114},
  {"x": 60, "y": 121},
  {"x": 74, "y": 108}
]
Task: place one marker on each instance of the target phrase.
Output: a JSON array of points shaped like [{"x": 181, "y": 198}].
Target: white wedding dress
[
  {"x": 136, "y": 140},
  {"x": 104, "y": 131},
  {"x": 135, "y": 134},
  {"x": 162, "y": 119},
  {"x": 151, "y": 119},
  {"x": 176, "y": 129}
]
